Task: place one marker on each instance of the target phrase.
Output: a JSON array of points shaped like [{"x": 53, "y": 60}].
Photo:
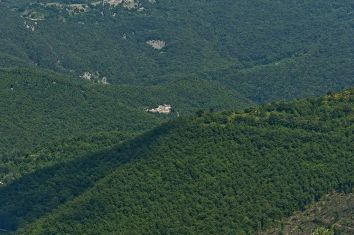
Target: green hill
[
  {"x": 40, "y": 108},
  {"x": 80, "y": 154},
  {"x": 264, "y": 50},
  {"x": 230, "y": 172}
]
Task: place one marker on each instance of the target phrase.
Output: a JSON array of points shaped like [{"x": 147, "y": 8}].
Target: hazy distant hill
[{"x": 264, "y": 50}]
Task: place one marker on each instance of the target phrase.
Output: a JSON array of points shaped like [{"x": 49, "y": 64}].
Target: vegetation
[
  {"x": 263, "y": 50},
  {"x": 40, "y": 109},
  {"x": 60, "y": 151},
  {"x": 80, "y": 155},
  {"x": 323, "y": 231},
  {"x": 333, "y": 214},
  {"x": 230, "y": 172}
]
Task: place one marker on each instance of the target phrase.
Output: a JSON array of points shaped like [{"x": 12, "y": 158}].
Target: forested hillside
[
  {"x": 264, "y": 50},
  {"x": 69, "y": 68},
  {"x": 229, "y": 172},
  {"x": 41, "y": 109},
  {"x": 82, "y": 150},
  {"x": 334, "y": 213}
]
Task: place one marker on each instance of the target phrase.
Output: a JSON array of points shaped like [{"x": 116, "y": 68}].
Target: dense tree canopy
[
  {"x": 79, "y": 153},
  {"x": 264, "y": 50},
  {"x": 41, "y": 108},
  {"x": 230, "y": 172}
]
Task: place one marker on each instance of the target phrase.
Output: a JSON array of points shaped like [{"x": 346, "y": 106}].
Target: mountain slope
[
  {"x": 264, "y": 50},
  {"x": 37, "y": 107},
  {"x": 231, "y": 172},
  {"x": 76, "y": 78},
  {"x": 334, "y": 212},
  {"x": 41, "y": 109}
]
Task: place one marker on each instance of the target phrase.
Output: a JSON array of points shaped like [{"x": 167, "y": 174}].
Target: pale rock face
[
  {"x": 162, "y": 109},
  {"x": 81, "y": 8},
  {"x": 29, "y": 27},
  {"x": 96, "y": 3},
  {"x": 87, "y": 76},
  {"x": 129, "y": 4},
  {"x": 34, "y": 16},
  {"x": 113, "y": 2},
  {"x": 95, "y": 77},
  {"x": 77, "y": 8},
  {"x": 156, "y": 44},
  {"x": 104, "y": 81}
]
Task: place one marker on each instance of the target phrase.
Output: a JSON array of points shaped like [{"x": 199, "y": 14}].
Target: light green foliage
[{"x": 323, "y": 231}]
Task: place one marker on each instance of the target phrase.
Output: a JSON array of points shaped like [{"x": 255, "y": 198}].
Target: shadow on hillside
[{"x": 38, "y": 193}]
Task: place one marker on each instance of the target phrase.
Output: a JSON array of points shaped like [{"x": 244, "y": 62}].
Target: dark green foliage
[
  {"x": 51, "y": 153},
  {"x": 264, "y": 50},
  {"x": 40, "y": 107},
  {"x": 49, "y": 187},
  {"x": 70, "y": 160},
  {"x": 230, "y": 172}
]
